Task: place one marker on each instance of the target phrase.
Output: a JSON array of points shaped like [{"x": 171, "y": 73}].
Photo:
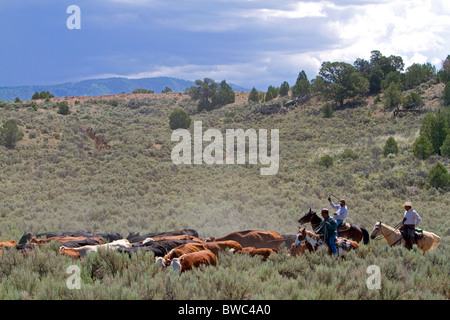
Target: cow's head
[
  {"x": 160, "y": 262},
  {"x": 300, "y": 238},
  {"x": 147, "y": 240},
  {"x": 176, "y": 265}
]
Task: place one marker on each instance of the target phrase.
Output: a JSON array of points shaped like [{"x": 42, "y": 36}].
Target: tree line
[{"x": 338, "y": 81}]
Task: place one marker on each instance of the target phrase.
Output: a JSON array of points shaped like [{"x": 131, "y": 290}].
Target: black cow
[
  {"x": 157, "y": 249},
  {"x": 80, "y": 243},
  {"x": 79, "y": 233},
  {"x": 107, "y": 236},
  {"x": 136, "y": 237},
  {"x": 166, "y": 244}
]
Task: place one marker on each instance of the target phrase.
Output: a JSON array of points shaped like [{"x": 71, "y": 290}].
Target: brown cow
[
  {"x": 179, "y": 251},
  {"x": 64, "y": 239},
  {"x": 264, "y": 252},
  {"x": 7, "y": 244},
  {"x": 74, "y": 254},
  {"x": 178, "y": 237},
  {"x": 214, "y": 247},
  {"x": 254, "y": 238},
  {"x": 193, "y": 260},
  {"x": 217, "y": 246},
  {"x": 294, "y": 251}
]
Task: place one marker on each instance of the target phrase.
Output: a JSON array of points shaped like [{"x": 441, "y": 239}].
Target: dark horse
[{"x": 354, "y": 232}]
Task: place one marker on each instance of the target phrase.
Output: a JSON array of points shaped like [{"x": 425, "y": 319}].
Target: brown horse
[
  {"x": 314, "y": 242},
  {"x": 354, "y": 232}
]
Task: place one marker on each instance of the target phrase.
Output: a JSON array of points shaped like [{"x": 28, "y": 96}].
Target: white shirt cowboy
[
  {"x": 341, "y": 212},
  {"x": 412, "y": 218}
]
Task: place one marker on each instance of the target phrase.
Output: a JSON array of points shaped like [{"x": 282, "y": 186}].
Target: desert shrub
[
  {"x": 63, "y": 108},
  {"x": 412, "y": 100},
  {"x": 390, "y": 147},
  {"x": 327, "y": 110},
  {"x": 326, "y": 161},
  {"x": 179, "y": 119},
  {"x": 349, "y": 154}
]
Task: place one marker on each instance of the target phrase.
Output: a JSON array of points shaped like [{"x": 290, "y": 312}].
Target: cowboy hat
[{"x": 407, "y": 204}]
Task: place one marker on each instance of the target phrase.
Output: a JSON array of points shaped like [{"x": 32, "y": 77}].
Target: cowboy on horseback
[
  {"x": 410, "y": 221},
  {"x": 341, "y": 212},
  {"x": 328, "y": 229}
]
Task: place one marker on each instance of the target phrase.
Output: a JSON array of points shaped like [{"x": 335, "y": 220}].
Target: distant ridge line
[{"x": 99, "y": 87}]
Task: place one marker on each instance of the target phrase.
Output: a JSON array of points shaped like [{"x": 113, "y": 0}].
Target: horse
[
  {"x": 313, "y": 242},
  {"x": 393, "y": 236},
  {"x": 353, "y": 232}
]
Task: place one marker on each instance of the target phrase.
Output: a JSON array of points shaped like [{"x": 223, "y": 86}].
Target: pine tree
[{"x": 10, "y": 134}]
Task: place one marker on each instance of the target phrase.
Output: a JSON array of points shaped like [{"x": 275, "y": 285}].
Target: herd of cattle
[{"x": 181, "y": 249}]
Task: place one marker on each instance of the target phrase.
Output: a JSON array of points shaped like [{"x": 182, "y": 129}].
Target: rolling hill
[{"x": 98, "y": 87}]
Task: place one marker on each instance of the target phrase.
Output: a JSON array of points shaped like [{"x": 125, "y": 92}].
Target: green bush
[
  {"x": 10, "y": 134},
  {"x": 392, "y": 96},
  {"x": 422, "y": 147},
  {"x": 63, "y": 108},
  {"x": 42, "y": 95},
  {"x": 445, "y": 148},
  {"x": 439, "y": 177},
  {"x": 326, "y": 161},
  {"x": 141, "y": 90},
  {"x": 253, "y": 96},
  {"x": 446, "y": 94},
  {"x": 179, "y": 119},
  {"x": 390, "y": 147},
  {"x": 413, "y": 100},
  {"x": 327, "y": 110},
  {"x": 349, "y": 154}
]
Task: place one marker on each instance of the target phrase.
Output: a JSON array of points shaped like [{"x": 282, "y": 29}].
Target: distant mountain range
[{"x": 98, "y": 87}]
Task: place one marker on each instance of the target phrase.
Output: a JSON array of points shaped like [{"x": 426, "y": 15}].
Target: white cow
[{"x": 114, "y": 245}]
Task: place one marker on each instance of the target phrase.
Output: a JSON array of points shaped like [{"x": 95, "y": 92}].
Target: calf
[
  {"x": 74, "y": 254},
  {"x": 193, "y": 260},
  {"x": 217, "y": 246},
  {"x": 264, "y": 252},
  {"x": 254, "y": 238},
  {"x": 179, "y": 251},
  {"x": 7, "y": 244}
]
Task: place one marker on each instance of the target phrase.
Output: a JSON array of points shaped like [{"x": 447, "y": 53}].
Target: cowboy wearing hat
[
  {"x": 328, "y": 229},
  {"x": 341, "y": 212},
  {"x": 410, "y": 221}
]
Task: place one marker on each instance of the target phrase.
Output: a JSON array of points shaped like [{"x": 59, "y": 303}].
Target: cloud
[{"x": 296, "y": 10}]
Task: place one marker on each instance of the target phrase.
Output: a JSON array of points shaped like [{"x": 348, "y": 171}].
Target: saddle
[
  {"x": 418, "y": 234},
  {"x": 344, "y": 227}
]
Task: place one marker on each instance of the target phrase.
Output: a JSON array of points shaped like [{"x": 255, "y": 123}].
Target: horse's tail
[
  {"x": 435, "y": 243},
  {"x": 365, "y": 236}
]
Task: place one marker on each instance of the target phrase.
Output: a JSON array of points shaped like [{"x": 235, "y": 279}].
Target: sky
[{"x": 250, "y": 43}]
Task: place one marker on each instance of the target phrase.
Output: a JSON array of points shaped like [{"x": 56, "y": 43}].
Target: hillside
[
  {"x": 98, "y": 87},
  {"x": 55, "y": 179}
]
